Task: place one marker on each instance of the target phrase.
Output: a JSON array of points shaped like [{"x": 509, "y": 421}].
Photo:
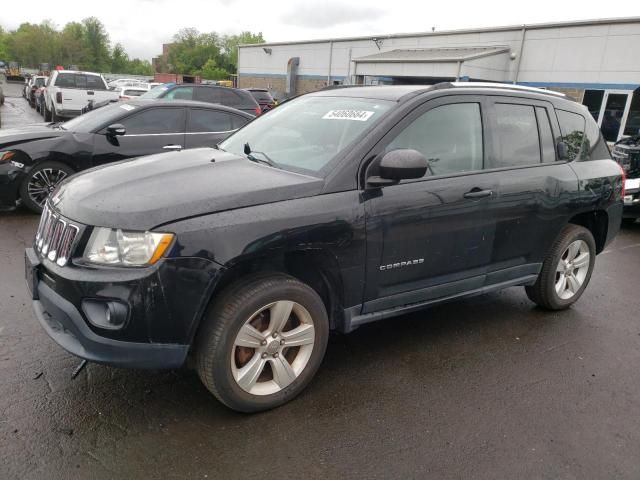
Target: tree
[
  {"x": 97, "y": 42},
  {"x": 119, "y": 60},
  {"x": 211, "y": 71},
  {"x": 191, "y": 50},
  {"x": 73, "y": 49}
]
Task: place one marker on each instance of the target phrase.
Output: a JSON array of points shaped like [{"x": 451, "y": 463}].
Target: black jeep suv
[{"x": 338, "y": 208}]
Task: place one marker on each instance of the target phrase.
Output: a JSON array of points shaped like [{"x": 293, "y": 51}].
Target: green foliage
[{"x": 87, "y": 45}]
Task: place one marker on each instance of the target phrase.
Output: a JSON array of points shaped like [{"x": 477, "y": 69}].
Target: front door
[
  {"x": 432, "y": 237},
  {"x": 153, "y": 130}
]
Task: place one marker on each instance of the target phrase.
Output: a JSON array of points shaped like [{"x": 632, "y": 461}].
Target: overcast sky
[{"x": 143, "y": 25}]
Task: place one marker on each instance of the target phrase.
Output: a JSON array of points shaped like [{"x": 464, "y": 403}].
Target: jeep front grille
[{"x": 55, "y": 237}]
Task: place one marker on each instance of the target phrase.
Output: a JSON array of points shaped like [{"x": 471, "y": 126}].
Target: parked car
[
  {"x": 263, "y": 97},
  {"x": 127, "y": 93},
  {"x": 337, "y": 209},
  {"x": 231, "y": 97},
  {"x": 34, "y": 84},
  {"x": 67, "y": 92},
  {"x": 627, "y": 153},
  {"x": 124, "y": 82},
  {"x": 35, "y": 158}
]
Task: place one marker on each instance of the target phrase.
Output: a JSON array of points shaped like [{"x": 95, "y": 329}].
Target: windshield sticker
[
  {"x": 128, "y": 108},
  {"x": 357, "y": 115}
]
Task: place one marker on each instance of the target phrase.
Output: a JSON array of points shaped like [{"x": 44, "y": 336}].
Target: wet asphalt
[{"x": 485, "y": 388}]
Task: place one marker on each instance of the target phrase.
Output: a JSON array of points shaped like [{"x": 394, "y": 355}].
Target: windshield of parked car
[
  {"x": 305, "y": 134},
  {"x": 155, "y": 92},
  {"x": 97, "y": 118}
]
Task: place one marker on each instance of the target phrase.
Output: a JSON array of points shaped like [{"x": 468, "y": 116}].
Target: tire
[
  {"x": 54, "y": 172},
  {"x": 54, "y": 116},
  {"x": 550, "y": 290},
  {"x": 253, "y": 299},
  {"x": 628, "y": 222},
  {"x": 47, "y": 114}
]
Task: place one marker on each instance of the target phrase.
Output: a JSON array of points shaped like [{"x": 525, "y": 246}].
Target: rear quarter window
[{"x": 572, "y": 130}]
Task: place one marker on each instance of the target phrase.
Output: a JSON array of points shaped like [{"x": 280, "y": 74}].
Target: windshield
[
  {"x": 305, "y": 134},
  {"x": 155, "y": 92},
  {"x": 90, "y": 121}
]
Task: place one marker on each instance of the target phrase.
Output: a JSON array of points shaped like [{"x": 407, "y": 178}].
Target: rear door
[
  {"x": 208, "y": 127},
  {"x": 535, "y": 189},
  {"x": 153, "y": 130},
  {"x": 432, "y": 237}
]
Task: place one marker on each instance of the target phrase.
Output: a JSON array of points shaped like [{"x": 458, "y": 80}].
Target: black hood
[
  {"x": 36, "y": 131},
  {"x": 140, "y": 194}
]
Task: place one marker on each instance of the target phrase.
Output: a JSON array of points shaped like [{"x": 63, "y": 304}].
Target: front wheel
[
  {"x": 40, "y": 182},
  {"x": 566, "y": 270},
  {"x": 262, "y": 343}
]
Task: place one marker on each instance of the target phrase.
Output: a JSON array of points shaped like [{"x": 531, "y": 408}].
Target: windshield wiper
[{"x": 250, "y": 155}]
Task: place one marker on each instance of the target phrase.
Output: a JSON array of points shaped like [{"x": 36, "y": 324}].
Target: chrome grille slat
[{"x": 55, "y": 237}]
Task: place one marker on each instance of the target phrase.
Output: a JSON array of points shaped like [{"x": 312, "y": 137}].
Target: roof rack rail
[{"x": 501, "y": 86}]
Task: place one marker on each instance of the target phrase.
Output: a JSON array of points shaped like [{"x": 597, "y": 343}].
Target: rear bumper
[
  {"x": 65, "y": 325},
  {"x": 68, "y": 113},
  {"x": 632, "y": 204}
]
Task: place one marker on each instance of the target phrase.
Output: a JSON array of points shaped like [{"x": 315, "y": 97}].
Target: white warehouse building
[{"x": 595, "y": 62}]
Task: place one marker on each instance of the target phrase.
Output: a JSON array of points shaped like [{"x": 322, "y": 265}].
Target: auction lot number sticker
[{"x": 357, "y": 115}]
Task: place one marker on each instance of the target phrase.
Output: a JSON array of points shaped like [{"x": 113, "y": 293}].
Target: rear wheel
[
  {"x": 47, "y": 114},
  {"x": 54, "y": 116},
  {"x": 263, "y": 341},
  {"x": 40, "y": 182},
  {"x": 566, "y": 270}
]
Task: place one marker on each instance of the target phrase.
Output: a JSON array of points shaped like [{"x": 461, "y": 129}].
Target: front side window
[
  {"x": 306, "y": 133},
  {"x": 155, "y": 120},
  {"x": 516, "y": 135},
  {"x": 449, "y": 136},
  {"x": 572, "y": 129}
]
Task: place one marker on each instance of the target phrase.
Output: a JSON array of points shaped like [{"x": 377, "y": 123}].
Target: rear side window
[
  {"x": 231, "y": 98},
  {"x": 262, "y": 97},
  {"x": 201, "y": 120},
  {"x": 155, "y": 120},
  {"x": 572, "y": 129},
  {"x": 207, "y": 94},
  {"x": 80, "y": 80},
  {"x": 449, "y": 136},
  {"x": 516, "y": 135}
]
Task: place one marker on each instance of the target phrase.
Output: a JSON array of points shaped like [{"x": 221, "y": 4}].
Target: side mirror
[
  {"x": 400, "y": 164},
  {"x": 563, "y": 150},
  {"x": 116, "y": 129}
]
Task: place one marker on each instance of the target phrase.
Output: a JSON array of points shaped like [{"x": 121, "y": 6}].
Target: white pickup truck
[{"x": 68, "y": 91}]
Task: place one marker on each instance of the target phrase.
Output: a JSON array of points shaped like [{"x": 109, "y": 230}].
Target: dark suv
[
  {"x": 230, "y": 97},
  {"x": 336, "y": 209}
]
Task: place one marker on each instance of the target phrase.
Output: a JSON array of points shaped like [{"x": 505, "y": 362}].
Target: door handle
[
  {"x": 172, "y": 147},
  {"x": 478, "y": 193}
]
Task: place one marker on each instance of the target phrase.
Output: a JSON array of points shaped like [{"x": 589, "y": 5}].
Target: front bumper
[{"x": 164, "y": 305}]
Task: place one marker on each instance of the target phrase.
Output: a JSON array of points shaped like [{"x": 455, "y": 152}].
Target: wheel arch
[
  {"x": 315, "y": 267},
  {"x": 597, "y": 222}
]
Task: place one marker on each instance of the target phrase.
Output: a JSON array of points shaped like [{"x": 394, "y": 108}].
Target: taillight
[
  {"x": 122, "y": 99},
  {"x": 59, "y": 97},
  {"x": 623, "y": 190},
  {"x": 258, "y": 110}
]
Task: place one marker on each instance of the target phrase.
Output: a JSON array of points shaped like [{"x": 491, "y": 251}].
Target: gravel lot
[{"x": 489, "y": 387}]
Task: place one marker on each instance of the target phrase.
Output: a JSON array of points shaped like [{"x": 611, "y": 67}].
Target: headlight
[
  {"x": 6, "y": 155},
  {"x": 107, "y": 246}
]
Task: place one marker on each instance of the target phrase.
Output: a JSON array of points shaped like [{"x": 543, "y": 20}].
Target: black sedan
[{"x": 35, "y": 158}]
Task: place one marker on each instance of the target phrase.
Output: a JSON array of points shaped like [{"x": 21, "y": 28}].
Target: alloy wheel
[
  {"x": 572, "y": 269},
  {"x": 43, "y": 182},
  {"x": 272, "y": 348}
]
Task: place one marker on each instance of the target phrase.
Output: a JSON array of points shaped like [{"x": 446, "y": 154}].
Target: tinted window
[
  {"x": 546, "y": 135},
  {"x": 155, "y": 120},
  {"x": 133, "y": 93},
  {"x": 207, "y": 94},
  {"x": 238, "y": 121},
  {"x": 231, "y": 98},
  {"x": 262, "y": 97},
  {"x": 202, "y": 120},
  {"x": 449, "y": 136},
  {"x": 516, "y": 136},
  {"x": 80, "y": 80},
  {"x": 572, "y": 129},
  {"x": 180, "y": 93}
]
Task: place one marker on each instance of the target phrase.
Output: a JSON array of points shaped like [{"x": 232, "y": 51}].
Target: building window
[{"x": 593, "y": 101}]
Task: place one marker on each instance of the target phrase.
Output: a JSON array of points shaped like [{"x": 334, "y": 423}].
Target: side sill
[{"x": 353, "y": 319}]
